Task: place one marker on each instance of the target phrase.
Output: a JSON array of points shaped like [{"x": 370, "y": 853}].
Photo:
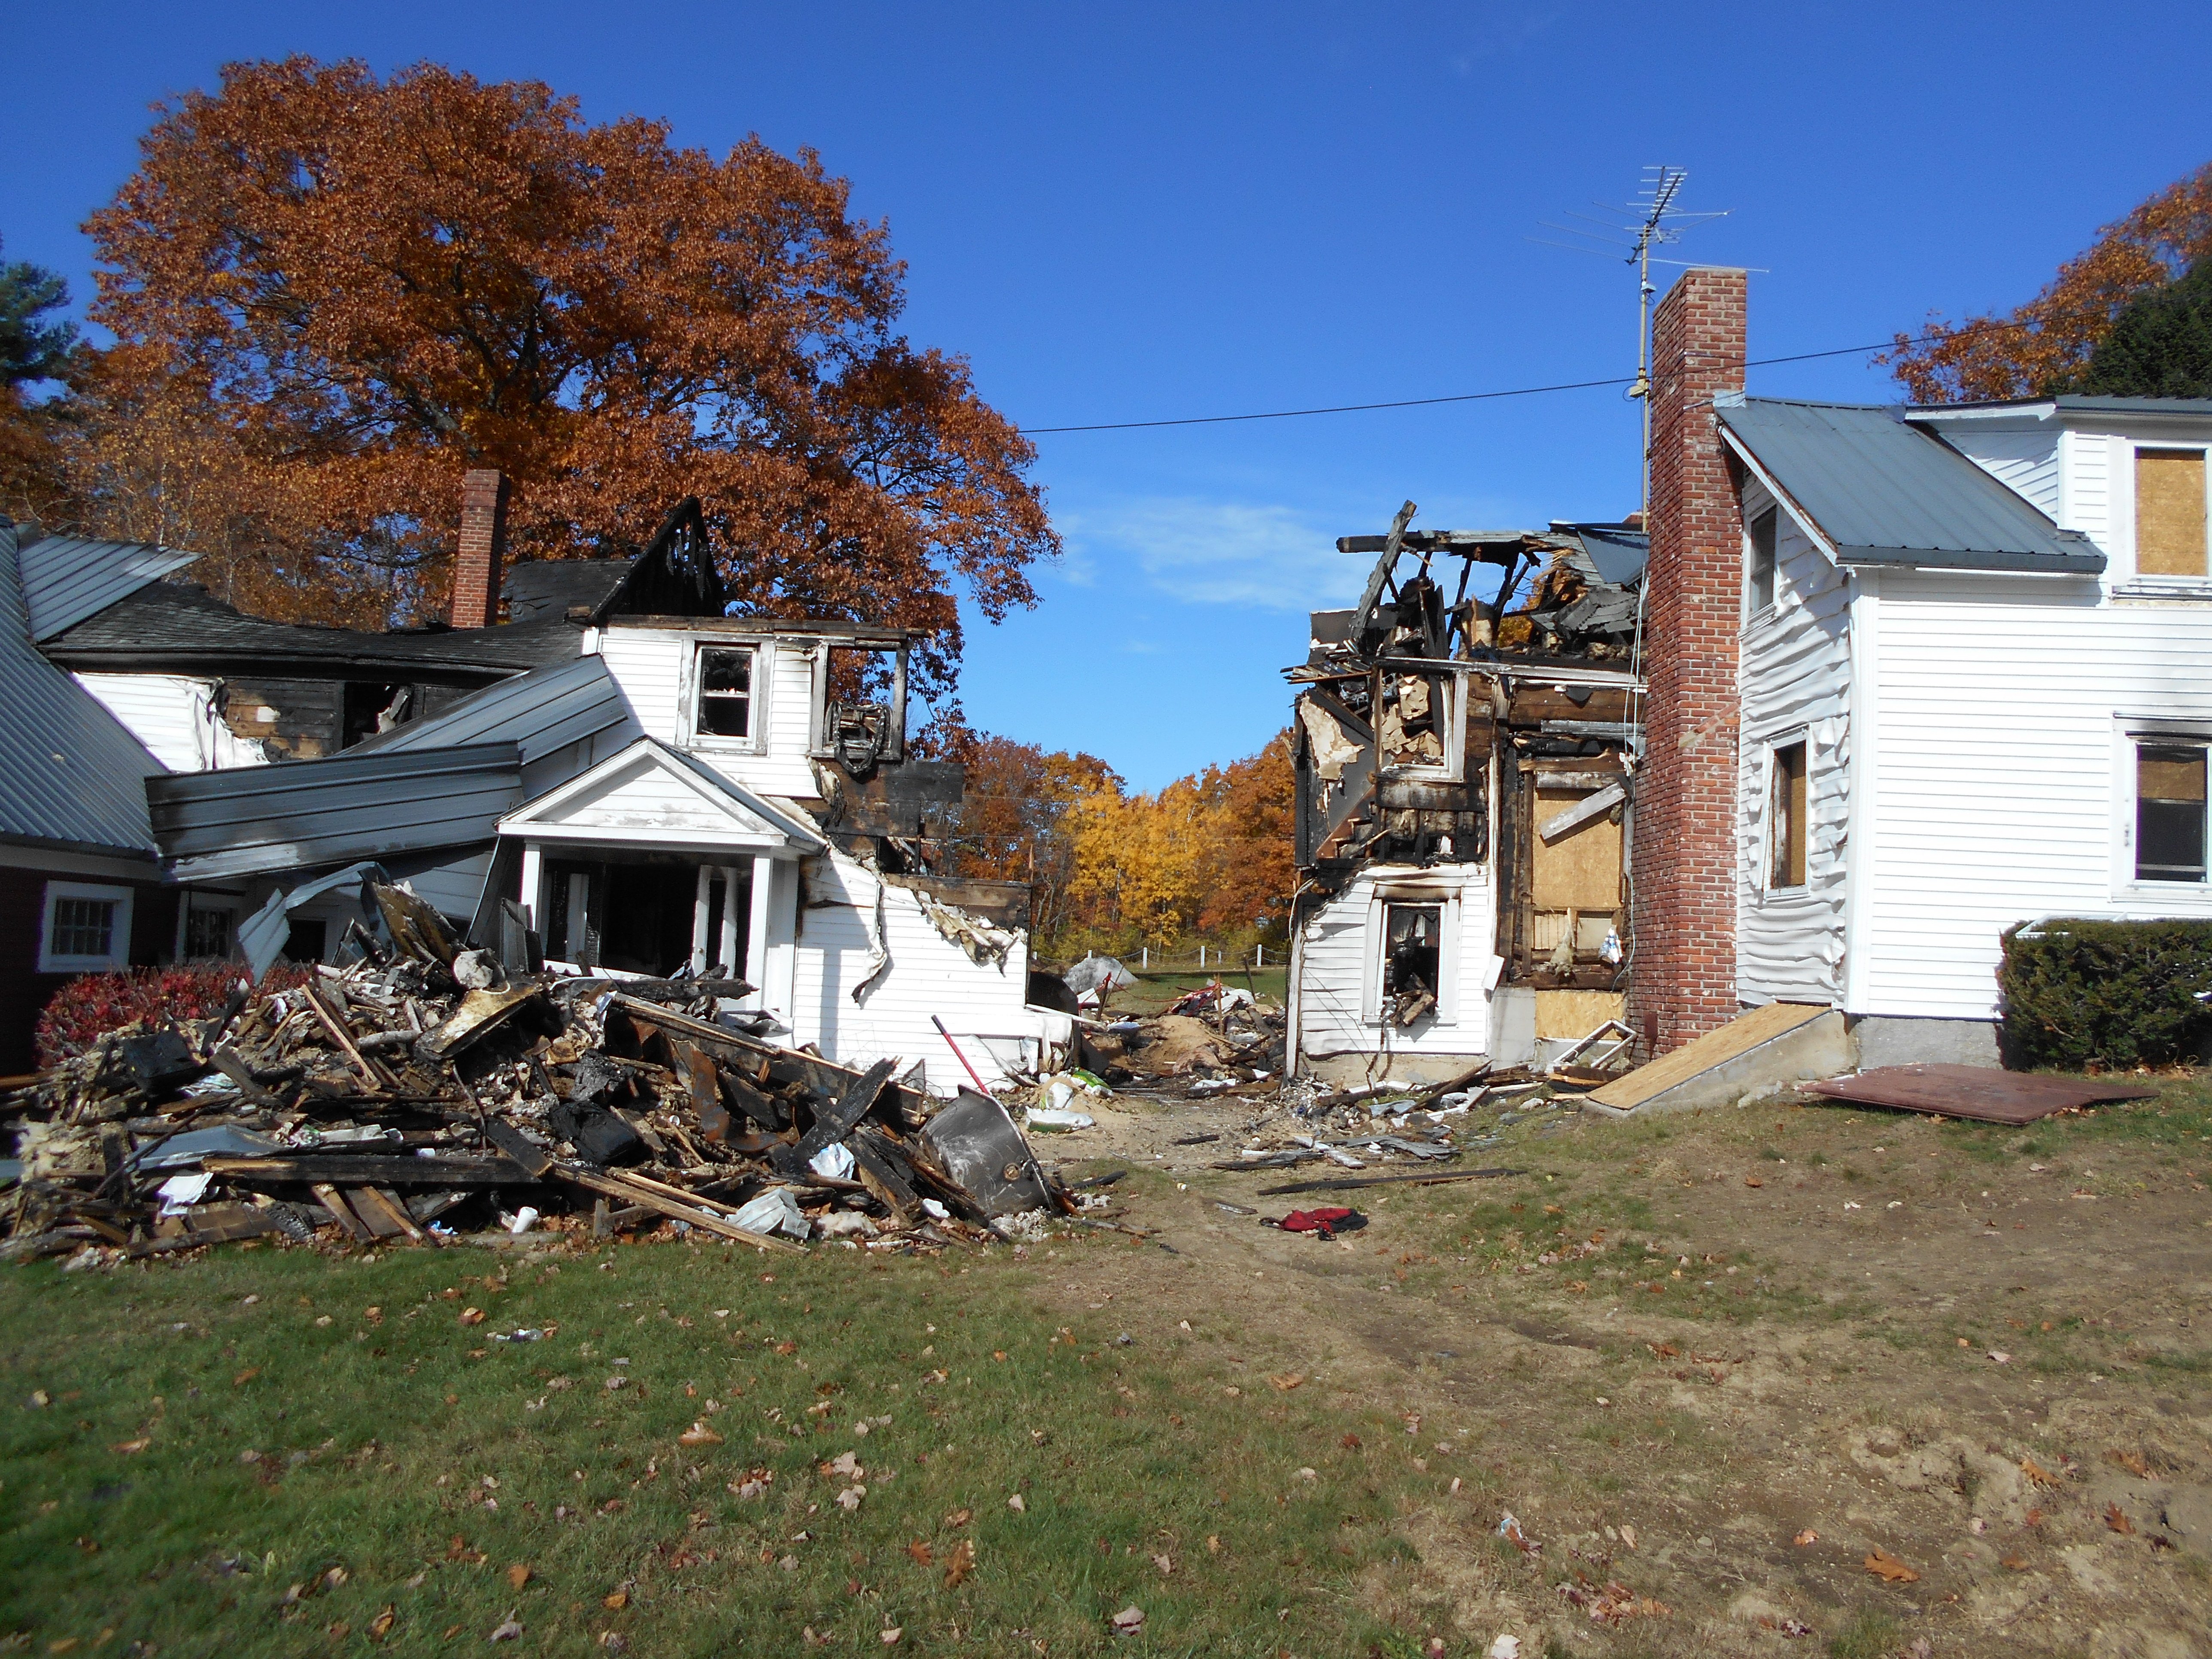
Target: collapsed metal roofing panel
[
  {"x": 542, "y": 711},
  {"x": 298, "y": 814},
  {"x": 1882, "y": 491},
  {"x": 67, "y": 579},
  {"x": 70, "y": 775}
]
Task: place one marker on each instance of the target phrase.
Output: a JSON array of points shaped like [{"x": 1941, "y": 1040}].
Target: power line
[{"x": 1891, "y": 344}]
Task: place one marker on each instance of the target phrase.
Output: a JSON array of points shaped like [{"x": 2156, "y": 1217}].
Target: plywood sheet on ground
[
  {"x": 1739, "y": 1036},
  {"x": 1980, "y": 1092}
]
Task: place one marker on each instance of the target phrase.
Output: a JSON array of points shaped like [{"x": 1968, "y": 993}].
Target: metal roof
[
  {"x": 1882, "y": 491},
  {"x": 70, "y": 772},
  {"x": 1616, "y": 552},
  {"x": 297, "y": 815},
  {"x": 546, "y": 709},
  {"x": 178, "y": 627},
  {"x": 67, "y": 579}
]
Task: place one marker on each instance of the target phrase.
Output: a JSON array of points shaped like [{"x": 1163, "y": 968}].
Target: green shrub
[{"x": 2078, "y": 995}]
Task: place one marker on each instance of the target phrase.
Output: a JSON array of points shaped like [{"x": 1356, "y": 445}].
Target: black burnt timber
[
  {"x": 823, "y": 1078},
  {"x": 1483, "y": 546},
  {"x": 354, "y": 1170},
  {"x": 834, "y": 1123}
]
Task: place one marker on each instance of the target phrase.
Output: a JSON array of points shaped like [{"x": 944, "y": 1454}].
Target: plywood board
[
  {"x": 1739, "y": 1036},
  {"x": 1575, "y": 1014},
  {"x": 1977, "y": 1092},
  {"x": 2170, "y": 513},
  {"x": 1580, "y": 871}
]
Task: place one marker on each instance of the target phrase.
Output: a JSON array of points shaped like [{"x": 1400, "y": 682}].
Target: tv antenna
[{"x": 1654, "y": 222}]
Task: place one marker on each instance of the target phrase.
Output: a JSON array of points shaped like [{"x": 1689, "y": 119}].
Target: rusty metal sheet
[{"x": 1980, "y": 1092}]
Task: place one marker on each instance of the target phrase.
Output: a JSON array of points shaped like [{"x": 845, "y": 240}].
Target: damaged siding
[
  {"x": 174, "y": 715},
  {"x": 1996, "y": 776},
  {"x": 1795, "y": 682},
  {"x": 917, "y": 973},
  {"x": 1337, "y": 958}
]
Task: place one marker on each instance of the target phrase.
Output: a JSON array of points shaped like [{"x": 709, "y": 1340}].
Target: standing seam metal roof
[
  {"x": 70, "y": 775},
  {"x": 67, "y": 579},
  {"x": 1885, "y": 492},
  {"x": 546, "y": 709}
]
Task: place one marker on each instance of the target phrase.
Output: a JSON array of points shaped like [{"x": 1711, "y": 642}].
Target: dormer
[{"x": 2130, "y": 473}]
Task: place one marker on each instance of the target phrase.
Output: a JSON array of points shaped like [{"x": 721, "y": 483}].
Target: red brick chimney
[
  {"x": 483, "y": 545},
  {"x": 1684, "y": 856}
]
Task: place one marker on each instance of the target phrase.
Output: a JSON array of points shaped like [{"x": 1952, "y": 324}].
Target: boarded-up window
[
  {"x": 1786, "y": 819},
  {"x": 1762, "y": 560},
  {"x": 1579, "y": 869},
  {"x": 2169, "y": 813},
  {"x": 2170, "y": 513}
]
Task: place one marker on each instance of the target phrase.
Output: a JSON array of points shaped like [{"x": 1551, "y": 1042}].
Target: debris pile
[{"x": 424, "y": 1090}]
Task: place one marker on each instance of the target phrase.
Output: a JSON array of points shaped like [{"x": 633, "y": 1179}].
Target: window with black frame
[
  {"x": 726, "y": 691},
  {"x": 2170, "y": 791}
]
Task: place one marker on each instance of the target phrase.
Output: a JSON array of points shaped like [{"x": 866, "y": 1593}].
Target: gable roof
[
  {"x": 70, "y": 775},
  {"x": 176, "y": 627},
  {"x": 68, "y": 577},
  {"x": 546, "y": 709},
  {"x": 650, "y": 794},
  {"x": 1881, "y": 491}
]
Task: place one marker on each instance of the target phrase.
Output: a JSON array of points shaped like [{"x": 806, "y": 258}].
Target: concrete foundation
[
  {"x": 1343, "y": 1071},
  {"x": 1513, "y": 1024},
  {"x": 1889, "y": 1040},
  {"x": 1818, "y": 1047}
]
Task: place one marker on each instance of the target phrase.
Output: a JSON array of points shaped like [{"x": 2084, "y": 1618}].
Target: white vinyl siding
[
  {"x": 2086, "y": 495},
  {"x": 1998, "y": 779},
  {"x": 981, "y": 1004},
  {"x": 174, "y": 715},
  {"x": 2025, "y": 463},
  {"x": 1794, "y": 678},
  {"x": 1340, "y": 966},
  {"x": 650, "y": 665}
]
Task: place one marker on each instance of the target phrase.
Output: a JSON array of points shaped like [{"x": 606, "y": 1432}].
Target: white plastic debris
[
  {"x": 845, "y": 1223},
  {"x": 936, "y": 1209},
  {"x": 1048, "y": 1117},
  {"x": 524, "y": 1219},
  {"x": 835, "y": 1161},
  {"x": 180, "y": 1193},
  {"x": 774, "y": 1211}
]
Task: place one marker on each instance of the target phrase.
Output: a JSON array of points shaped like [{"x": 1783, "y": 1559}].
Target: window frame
[
  {"x": 695, "y": 735},
  {"x": 192, "y": 905},
  {"x": 2128, "y": 891},
  {"x": 118, "y": 937},
  {"x": 1451, "y": 730},
  {"x": 1381, "y": 897},
  {"x": 1754, "y": 607},
  {"x": 1772, "y": 849},
  {"x": 2201, "y": 583}
]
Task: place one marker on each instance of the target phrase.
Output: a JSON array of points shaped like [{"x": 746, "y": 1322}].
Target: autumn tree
[
  {"x": 368, "y": 286},
  {"x": 1012, "y": 822},
  {"x": 2045, "y": 346}
]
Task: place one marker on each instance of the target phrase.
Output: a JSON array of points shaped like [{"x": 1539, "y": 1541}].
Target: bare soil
[{"x": 1763, "y": 1343}]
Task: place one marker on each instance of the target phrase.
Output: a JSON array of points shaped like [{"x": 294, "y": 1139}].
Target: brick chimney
[
  {"x": 1684, "y": 856},
  {"x": 483, "y": 545}
]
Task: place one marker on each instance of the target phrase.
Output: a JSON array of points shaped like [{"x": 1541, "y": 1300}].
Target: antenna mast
[{"x": 1662, "y": 184}]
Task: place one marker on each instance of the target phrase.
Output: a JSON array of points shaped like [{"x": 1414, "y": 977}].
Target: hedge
[
  {"x": 92, "y": 1004},
  {"x": 2079, "y": 995}
]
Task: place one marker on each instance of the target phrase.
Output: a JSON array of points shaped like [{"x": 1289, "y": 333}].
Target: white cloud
[{"x": 1267, "y": 557}]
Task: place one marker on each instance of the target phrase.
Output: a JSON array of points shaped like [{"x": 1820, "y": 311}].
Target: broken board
[
  {"x": 1781, "y": 1042},
  {"x": 1980, "y": 1092}
]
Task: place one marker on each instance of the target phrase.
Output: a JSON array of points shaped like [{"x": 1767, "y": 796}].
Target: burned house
[{"x": 1462, "y": 744}]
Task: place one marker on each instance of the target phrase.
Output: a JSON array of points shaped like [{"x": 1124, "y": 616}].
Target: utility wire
[{"x": 1891, "y": 344}]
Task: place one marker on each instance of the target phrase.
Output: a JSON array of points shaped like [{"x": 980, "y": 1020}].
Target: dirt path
[{"x": 1982, "y": 1353}]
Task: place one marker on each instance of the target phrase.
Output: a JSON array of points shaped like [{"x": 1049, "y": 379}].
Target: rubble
[{"x": 423, "y": 1092}]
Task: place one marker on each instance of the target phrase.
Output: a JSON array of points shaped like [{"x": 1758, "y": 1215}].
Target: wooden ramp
[{"x": 1789, "y": 1040}]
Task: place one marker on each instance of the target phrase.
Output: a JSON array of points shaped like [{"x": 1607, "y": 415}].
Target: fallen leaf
[
  {"x": 246, "y": 1377},
  {"x": 380, "y": 1627},
  {"x": 959, "y": 1517},
  {"x": 127, "y": 1447},
  {"x": 1753, "y": 1180},
  {"x": 616, "y": 1601},
  {"x": 1165, "y": 1564},
  {"x": 2133, "y": 1462},
  {"x": 2001, "y": 1359},
  {"x": 474, "y": 1316},
  {"x": 1807, "y": 1536},
  {"x": 844, "y": 1465},
  {"x": 959, "y": 1563},
  {"x": 1888, "y": 1567},
  {"x": 699, "y": 1435},
  {"x": 850, "y": 1497},
  {"x": 1016, "y": 1505},
  {"x": 507, "y": 1630},
  {"x": 1628, "y": 1536},
  {"x": 890, "y": 1636},
  {"x": 2118, "y": 1521},
  {"x": 2042, "y": 1476},
  {"x": 518, "y": 1575},
  {"x": 922, "y": 1554},
  {"x": 1286, "y": 1382},
  {"x": 1128, "y": 1621},
  {"x": 2018, "y": 1564},
  {"x": 1350, "y": 1442},
  {"x": 1213, "y": 1543}
]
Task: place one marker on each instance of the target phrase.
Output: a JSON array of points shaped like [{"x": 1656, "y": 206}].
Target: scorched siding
[
  {"x": 1333, "y": 963},
  {"x": 1995, "y": 781},
  {"x": 1795, "y": 681}
]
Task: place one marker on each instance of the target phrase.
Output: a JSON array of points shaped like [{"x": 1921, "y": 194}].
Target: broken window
[
  {"x": 860, "y": 710},
  {"x": 305, "y": 940},
  {"x": 208, "y": 934},
  {"x": 1764, "y": 529},
  {"x": 2169, "y": 813},
  {"x": 1786, "y": 819},
  {"x": 1412, "y": 952},
  {"x": 1421, "y": 729},
  {"x": 725, "y": 691},
  {"x": 2170, "y": 513},
  {"x": 367, "y": 708}
]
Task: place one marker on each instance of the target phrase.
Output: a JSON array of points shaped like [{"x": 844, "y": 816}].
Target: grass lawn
[{"x": 273, "y": 1451}]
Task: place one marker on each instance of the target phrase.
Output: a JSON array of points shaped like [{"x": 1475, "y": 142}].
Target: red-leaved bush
[{"x": 92, "y": 1004}]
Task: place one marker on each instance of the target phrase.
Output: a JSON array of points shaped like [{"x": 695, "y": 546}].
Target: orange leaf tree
[
  {"x": 2044, "y": 346},
  {"x": 375, "y": 285}
]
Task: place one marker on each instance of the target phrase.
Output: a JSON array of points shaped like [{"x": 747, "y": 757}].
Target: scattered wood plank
[
  {"x": 836, "y": 1123},
  {"x": 1347, "y": 1184},
  {"x": 342, "y": 1212},
  {"x": 362, "y": 1170},
  {"x": 706, "y": 1221}
]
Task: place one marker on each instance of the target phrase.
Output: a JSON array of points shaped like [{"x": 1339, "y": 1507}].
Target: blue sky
[{"x": 1135, "y": 212}]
